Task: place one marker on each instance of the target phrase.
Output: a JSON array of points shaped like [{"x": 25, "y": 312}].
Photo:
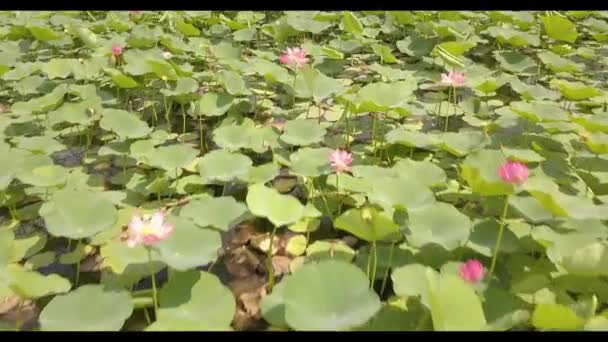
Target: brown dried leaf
[
  {"x": 91, "y": 264},
  {"x": 26, "y": 312},
  {"x": 244, "y": 233},
  {"x": 351, "y": 241},
  {"x": 8, "y": 304},
  {"x": 280, "y": 264},
  {"x": 245, "y": 285},
  {"x": 262, "y": 243},
  {"x": 242, "y": 263},
  {"x": 243, "y": 321}
]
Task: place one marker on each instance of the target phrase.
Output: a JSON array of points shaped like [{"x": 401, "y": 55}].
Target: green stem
[
  {"x": 447, "y": 114},
  {"x": 308, "y": 110},
  {"x": 422, "y": 321},
  {"x": 77, "y": 273},
  {"x": 269, "y": 260},
  {"x": 18, "y": 318},
  {"x": 293, "y": 96},
  {"x": 499, "y": 238},
  {"x": 201, "y": 134},
  {"x": 167, "y": 113},
  {"x": 373, "y": 280},
  {"x": 324, "y": 201},
  {"x": 183, "y": 119},
  {"x": 154, "y": 115},
  {"x": 390, "y": 262},
  {"x": 347, "y": 135},
  {"x": 338, "y": 184},
  {"x": 374, "y": 133},
  {"x": 147, "y": 316},
  {"x": 153, "y": 275}
]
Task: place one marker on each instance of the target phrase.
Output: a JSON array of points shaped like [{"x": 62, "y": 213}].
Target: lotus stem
[
  {"x": 201, "y": 134},
  {"x": 293, "y": 96},
  {"x": 374, "y": 133},
  {"x": 499, "y": 238},
  {"x": 183, "y": 119},
  {"x": 154, "y": 115},
  {"x": 269, "y": 265},
  {"x": 373, "y": 280},
  {"x": 167, "y": 113},
  {"x": 147, "y": 316},
  {"x": 447, "y": 114},
  {"x": 153, "y": 275},
  {"x": 390, "y": 262}
]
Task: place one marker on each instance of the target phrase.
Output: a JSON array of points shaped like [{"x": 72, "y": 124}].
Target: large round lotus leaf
[
  {"x": 279, "y": 209},
  {"x": 439, "y": 223},
  {"x": 44, "y": 144},
  {"x": 410, "y": 138},
  {"x": 412, "y": 169},
  {"x": 368, "y": 224},
  {"x": 130, "y": 264},
  {"x": 195, "y": 301},
  {"x": 311, "y": 162},
  {"x": 384, "y": 96},
  {"x": 88, "y": 308},
  {"x": 172, "y": 157},
  {"x": 301, "y": 132},
  {"x": 539, "y": 111},
  {"x": 263, "y": 173},
  {"x": 548, "y": 316},
  {"x": 45, "y": 176},
  {"x": 404, "y": 193},
  {"x": 31, "y": 284},
  {"x": 313, "y": 83},
  {"x": 522, "y": 155},
  {"x": 214, "y": 104},
  {"x": 350, "y": 183},
  {"x": 330, "y": 295},
  {"x": 223, "y": 166},
  {"x": 560, "y": 204},
  {"x": 597, "y": 142},
  {"x": 484, "y": 235},
  {"x": 126, "y": 124},
  {"x": 232, "y": 136},
  {"x": 410, "y": 280},
  {"x": 219, "y": 212},
  {"x": 454, "y": 304},
  {"x": 462, "y": 143},
  {"x": 29, "y": 161},
  {"x": 272, "y": 306},
  {"x": 189, "y": 246},
  {"x": 321, "y": 250},
  {"x": 589, "y": 260},
  {"x": 559, "y": 64},
  {"x": 575, "y": 91},
  {"x": 480, "y": 170},
  {"x": 77, "y": 214},
  {"x": 560, "y": 28}
]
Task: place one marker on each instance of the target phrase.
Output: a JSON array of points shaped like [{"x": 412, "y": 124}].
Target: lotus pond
[{"x": 303, "y": 171}]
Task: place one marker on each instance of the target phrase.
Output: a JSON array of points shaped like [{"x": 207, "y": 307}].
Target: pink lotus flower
[
  {"x": 340, "y": 160},
  {"x": 454, "y": 79},
  {"x": 513, "y": 172},
  {"x": 148, "y": 230},
  {"x": 471, "y": 271},
  {"x": 294, "y": 57},
  {"x": 116, "y": 50}
]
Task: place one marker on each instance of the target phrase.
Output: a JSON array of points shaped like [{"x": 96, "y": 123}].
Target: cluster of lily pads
[{"x": 376, "y": 170}]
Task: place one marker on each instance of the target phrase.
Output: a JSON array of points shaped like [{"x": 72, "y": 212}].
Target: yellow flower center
[{"x": 148, "y": 230}]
